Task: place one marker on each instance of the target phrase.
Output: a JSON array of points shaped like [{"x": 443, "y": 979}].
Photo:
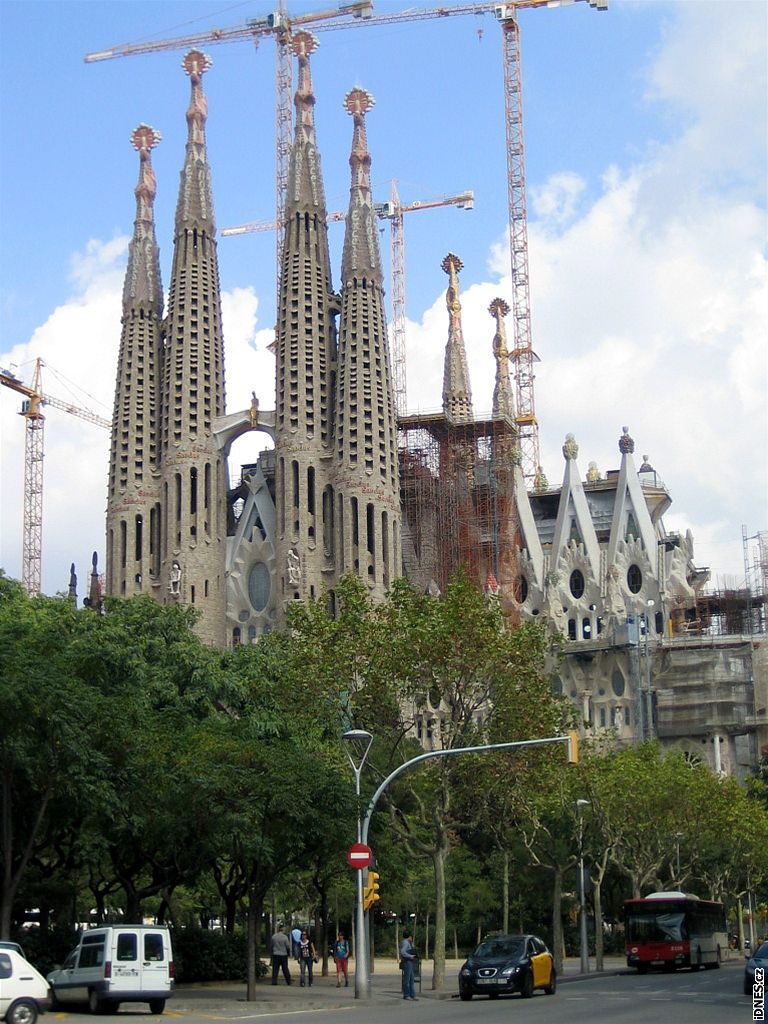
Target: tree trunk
[
  {"x": 439, "y": 858},
  {"x": 426, "y": 937},
  {"x": 322, "y": 938},
  {"x": 455, "y": 943},
  {"x": 255, "y": 903},
  {"x": 557, "y": 919},
  {"x": 505, "y": 892},
  {"x": 597, "y": 899}
]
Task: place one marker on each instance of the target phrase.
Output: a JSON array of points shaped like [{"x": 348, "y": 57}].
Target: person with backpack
[{"x": 341, "y": 959}]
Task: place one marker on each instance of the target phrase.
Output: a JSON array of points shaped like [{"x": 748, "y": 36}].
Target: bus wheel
[
  {"x": 697, "y": 965},
  {"x": 715, "y": 963},
  {"x": 642, "y": 968}
]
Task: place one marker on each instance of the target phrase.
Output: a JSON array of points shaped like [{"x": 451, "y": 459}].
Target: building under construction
[{"x": 355, "y": 485}]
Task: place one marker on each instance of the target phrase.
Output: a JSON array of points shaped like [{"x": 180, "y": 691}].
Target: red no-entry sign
[{"x": 359, "y": 856}]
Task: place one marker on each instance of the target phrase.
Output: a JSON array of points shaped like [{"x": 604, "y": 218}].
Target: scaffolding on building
[{"x": 458, "y": 503}]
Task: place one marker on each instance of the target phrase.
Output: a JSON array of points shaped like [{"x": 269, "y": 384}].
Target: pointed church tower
[
  {"x": 366, "y": 469},
  {"x": 194, "y": 484},
  {"x": 306, "y": 351},
  {"x": 503, "y": 399},
  {"x": 457, "y": 393},
  {"x": 133, "y": 510}
]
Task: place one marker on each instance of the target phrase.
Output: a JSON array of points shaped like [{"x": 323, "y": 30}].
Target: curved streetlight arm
[{"x": 447, "y": 753}]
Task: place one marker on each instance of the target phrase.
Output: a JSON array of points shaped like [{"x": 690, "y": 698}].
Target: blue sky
[{"x": 645, "y": 133}]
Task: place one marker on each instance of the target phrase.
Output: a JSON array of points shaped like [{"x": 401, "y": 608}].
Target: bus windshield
[{"x": 648, "y": 927}]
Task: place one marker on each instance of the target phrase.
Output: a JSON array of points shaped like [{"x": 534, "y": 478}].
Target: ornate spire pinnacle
[
  {"x": 361, "y": 242},
  {"x": 142, "y": 279},
  {"x": 457, "y": 394},
  {"x": 305, "y": 182},
  {"x": 195, "y": 206},
  {"x": 503, "y": 399},
  {"x": 626, "y": 444}
]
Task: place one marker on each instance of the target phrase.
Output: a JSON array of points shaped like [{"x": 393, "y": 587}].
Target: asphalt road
[{"x": 708, "y": 997}]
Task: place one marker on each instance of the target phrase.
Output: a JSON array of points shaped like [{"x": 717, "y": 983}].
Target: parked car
[
  {"x": 758, "y": 959},
  {"x": 117, "y": 964},
  {"x": 24, "y": 992},
  {"x": 508, "y": 963}
]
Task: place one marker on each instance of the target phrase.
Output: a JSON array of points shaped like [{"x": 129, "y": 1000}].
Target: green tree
[{"x": 50, "y": 770}]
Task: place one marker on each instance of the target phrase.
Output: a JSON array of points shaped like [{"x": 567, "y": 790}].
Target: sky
[{"x": 646, "y": 156}]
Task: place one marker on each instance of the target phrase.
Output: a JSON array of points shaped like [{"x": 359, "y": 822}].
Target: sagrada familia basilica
[{"x": 348, "y": 486}]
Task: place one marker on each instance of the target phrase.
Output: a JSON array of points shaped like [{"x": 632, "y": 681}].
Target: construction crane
[
  {"x": 393, "y": 211},
  {"x": 32, "y": 412},
  {"x": 280, "y": 25}
]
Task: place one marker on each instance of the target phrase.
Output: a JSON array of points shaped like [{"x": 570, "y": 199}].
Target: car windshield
[{"x": 493, "y": 948}]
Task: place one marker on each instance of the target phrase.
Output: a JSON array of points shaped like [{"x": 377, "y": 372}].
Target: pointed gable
[
  {"x": 630, "y": 510},
  {"x": 573, "y": 516}
]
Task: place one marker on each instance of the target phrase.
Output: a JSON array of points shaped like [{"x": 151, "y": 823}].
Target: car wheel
[
  {"x": 157, "y": 1005},
  {"x": 23, "y": 1011},
  {"x": 526, "y": 990},
  {"x": 95, "y": 1005},
  {"x": 493, "y": 995},
  {"x": 697, "y": 965},
  {"x": 642, "y": 968},
  {"x": 551, "y": 988},
  {"x": 464, "y": 995},
  {"x": 715, "y": 963}
]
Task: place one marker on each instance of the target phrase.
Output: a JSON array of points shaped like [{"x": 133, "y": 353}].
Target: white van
[
  {"x": 117, "y": 964},
  {"x": 24, "y": 991}
]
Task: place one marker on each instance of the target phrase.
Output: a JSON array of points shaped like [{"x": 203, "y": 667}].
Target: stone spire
[
  {"x": 361, "y": 242},
  {"x": 503, "y": 399},
  {"x": 366, "y": 471},
  {"x": 191, "y": 532},
  {"x": 305, "y": 180},
  {"x": 134, "y": 453},
  {"x": 457, "y": 394},
  {"x": 142, "y": 280},
  {"x": 195, "y": 205},
  {"x": 306, "y": 353}
]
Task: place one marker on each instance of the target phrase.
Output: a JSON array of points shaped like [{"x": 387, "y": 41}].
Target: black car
[
  {"x": 758, "y": 959},
  {"x": 508, "y": 963}
]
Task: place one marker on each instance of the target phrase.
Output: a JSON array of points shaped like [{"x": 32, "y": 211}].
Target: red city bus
[{"x": 674, "y": 929}]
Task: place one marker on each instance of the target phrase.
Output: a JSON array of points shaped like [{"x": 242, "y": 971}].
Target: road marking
[{"x": 269, "y": 1013}]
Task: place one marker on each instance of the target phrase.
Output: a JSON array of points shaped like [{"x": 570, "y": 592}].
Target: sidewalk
[{"x": 227, "y": 999}]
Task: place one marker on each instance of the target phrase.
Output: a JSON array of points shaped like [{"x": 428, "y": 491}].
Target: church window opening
[
  {"x": 602, "y": 718},
  {"x": 259, "y": 586},
  {"x": 521, "y": 589},
  {"x": 586, "y": 628},
  {"x": 659, "y": 622},
  {"x": 571, "y": 629},
  {"x": 123, "y": 541},
  {"x": 371, "y": 540},
  {"x": 618, "y": 682},
  {"x": 139, "y": 525},
  {"x": 193, "y": 491},
  {"x": 577, "y": 583},
  {"x": 634, "y": 578}
]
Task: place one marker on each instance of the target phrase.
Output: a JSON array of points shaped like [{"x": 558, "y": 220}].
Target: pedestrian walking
[
  {"x": 280, "y": 948},
  {"x": 341, "y": 959},
  {"x": 408, "y": 956},
  {"x": 307, "y": 957}
]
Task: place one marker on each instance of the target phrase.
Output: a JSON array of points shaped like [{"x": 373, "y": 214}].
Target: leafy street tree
[{"x": 48, "y": 716}]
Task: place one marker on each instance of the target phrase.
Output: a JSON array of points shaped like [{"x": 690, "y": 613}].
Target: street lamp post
[
  {"x": 359, "y": 741},
  {"x": 583, "y": 948}
]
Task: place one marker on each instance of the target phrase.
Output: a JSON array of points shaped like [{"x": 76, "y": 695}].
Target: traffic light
[
  {"x": 371, "y": 894},
  {"x": 573, "y": 747}
]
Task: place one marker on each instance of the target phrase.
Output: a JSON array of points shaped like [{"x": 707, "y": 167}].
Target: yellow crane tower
[
  {"x": 32, "y": 412},
  {"x": 393, "y": 211},
  {"x": 280, "y": 25}
]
